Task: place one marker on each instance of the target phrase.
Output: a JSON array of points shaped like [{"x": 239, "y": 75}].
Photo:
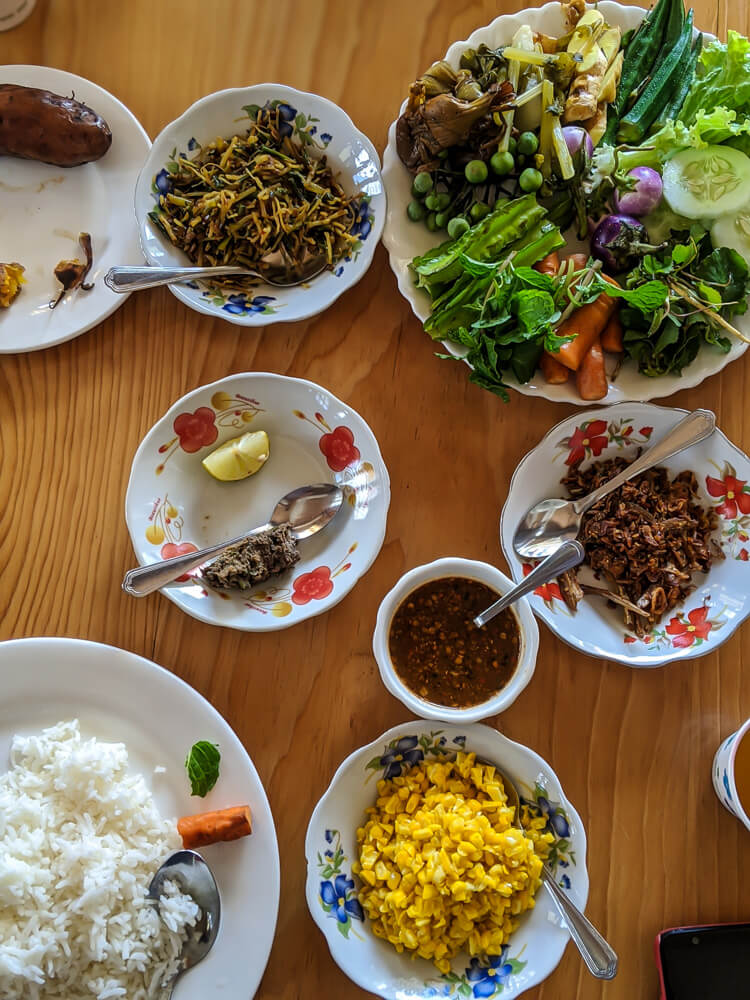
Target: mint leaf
[
  {"x": 647, "y": 297},
  {"x": 202, "y": 764}
]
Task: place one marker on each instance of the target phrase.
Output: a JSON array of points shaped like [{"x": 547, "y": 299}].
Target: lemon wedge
[{"x": 239, "y": 457}]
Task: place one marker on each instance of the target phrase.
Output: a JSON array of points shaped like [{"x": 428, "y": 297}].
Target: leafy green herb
[
  {"x": 202, "y": 765},
  {"x": 647, "y": 297}
]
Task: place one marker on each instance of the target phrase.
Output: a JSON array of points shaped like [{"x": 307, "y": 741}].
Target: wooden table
[{"x": 632, "y": 748}]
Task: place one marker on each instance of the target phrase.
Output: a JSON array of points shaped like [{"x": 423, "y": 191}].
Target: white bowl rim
[
  {"x": 643, "y": 663},
  {"x": 278, "y": 623},
  {"x": 406, "y": 727},
  {"x": 367, "y": 253},
  {"x": 472, "y": 569}
]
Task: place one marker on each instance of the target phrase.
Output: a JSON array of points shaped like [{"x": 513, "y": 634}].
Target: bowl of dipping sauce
[{"x": 432, "y": 656}]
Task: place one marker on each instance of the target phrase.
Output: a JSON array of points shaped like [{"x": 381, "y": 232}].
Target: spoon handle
[
  {"x": 146, "y": 579},
  {"x": 599, "y": 956},
  {"x": 689, "y": 431},
  {"x": 569, "y": 554},
  {"x": 132, "y": 279}
]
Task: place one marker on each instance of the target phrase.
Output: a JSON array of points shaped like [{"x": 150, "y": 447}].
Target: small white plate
[
  {"x": 120, "y": 697},
  {"x": 721, "y": 599},
  {"x": 173, "y": 505},
  {"x": 330, "y": 132},
  {"x": 404, "y": 239},
  {"x": 534, "y": 949},
  {"x": 44, "y": 208}
]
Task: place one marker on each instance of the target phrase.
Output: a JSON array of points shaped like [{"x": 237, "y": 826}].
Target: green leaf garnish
[{"x": 202, "y": 764}]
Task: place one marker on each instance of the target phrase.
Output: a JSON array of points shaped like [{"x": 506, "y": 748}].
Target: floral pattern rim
[
  {"x": 337, "y": 889},
  {"x": 304, "y": 128},
  {"x": 691, "y": 628},
  {"x": 200, "y": 429}
]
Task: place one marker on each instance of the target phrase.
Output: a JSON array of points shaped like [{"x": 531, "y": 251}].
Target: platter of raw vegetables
[{"x": 569, "y": 202}]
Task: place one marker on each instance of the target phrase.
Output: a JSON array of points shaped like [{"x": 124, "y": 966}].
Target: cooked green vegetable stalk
[
  {"x": 640, "y": 57},
  {"x": 202, "y": 765},
  {"x": 241, "y": 199}
]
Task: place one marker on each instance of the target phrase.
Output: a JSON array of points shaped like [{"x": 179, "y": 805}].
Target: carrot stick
[
  {"x": 213, "y": 827},
  {"x": 585, "y": 326},
  {"x": 554, "y": 373},
  {"x": 591, "y": 377},
  {"x": 549, "y": 264},
  {"x": 612, "y": 336}
]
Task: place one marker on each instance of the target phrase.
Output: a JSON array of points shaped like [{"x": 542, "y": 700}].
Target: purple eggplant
[
  {"x": 575, "y": 137},
  {"x": 619, "y": 241},
  {"x": 641, "y": 194}
]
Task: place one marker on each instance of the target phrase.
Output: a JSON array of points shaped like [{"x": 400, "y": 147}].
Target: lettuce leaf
[
  {"x": 722, "y": 79},
  {"x": 708, "y": 128}
]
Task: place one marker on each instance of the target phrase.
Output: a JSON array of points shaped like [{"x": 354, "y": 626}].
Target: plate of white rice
[{"x": 93, "y": 742}]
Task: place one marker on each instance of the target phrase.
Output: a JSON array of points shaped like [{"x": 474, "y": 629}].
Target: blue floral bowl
[
  {"x": 331, "y": 848},
  {"x": 322, "y": 126}
]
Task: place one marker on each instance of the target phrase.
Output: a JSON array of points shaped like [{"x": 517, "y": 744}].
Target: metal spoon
[
  {"x": 569, "y": 554},
  {"x": 599, "y": 956},
  {"x": 551, "y": 522},
  {"x": 276, "y": 272},
  {"x": 193, "y": 876},
  {"x": 306, "y": 510}
]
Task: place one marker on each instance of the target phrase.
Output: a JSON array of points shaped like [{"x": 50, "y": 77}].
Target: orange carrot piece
[
  {"x": 579, "y": 260},
  {"x": 612, "y": 337},
  {"x": 554, "y": 373},
  {"x": 585, "y": 326},
  {"x": 549, "y": 264},
  {"x": 591, "y": 377},
  {"x": 213, "y": 827}
]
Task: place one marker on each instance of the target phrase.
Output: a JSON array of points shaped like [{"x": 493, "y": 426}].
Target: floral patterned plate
[
  {"x": 325, "y": 129},
  {"x": 173, "y": 505},
  {"x": 721, "y": 599},
  {"x": 537, "y": 945},
  {"x": 404, "y": 239}
]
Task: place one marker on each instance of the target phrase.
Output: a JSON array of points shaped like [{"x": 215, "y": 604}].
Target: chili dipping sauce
[{"x": 438, "y": 651}]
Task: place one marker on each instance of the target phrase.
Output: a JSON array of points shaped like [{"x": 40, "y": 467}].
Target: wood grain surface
[{"x": 632, "y": 748}]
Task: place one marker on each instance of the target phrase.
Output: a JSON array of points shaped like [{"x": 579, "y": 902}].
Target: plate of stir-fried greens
[
  {"x": 258, "y": 176},
  {"x": 569, "y": 201}
]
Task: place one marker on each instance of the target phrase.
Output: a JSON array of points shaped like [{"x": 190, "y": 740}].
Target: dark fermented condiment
[
  {"x": 438, "y": 651},
  {"x": 254, "y": 560}
]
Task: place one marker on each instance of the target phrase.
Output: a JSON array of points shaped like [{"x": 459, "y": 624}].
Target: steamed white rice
[{"x": 80, "y": 840}]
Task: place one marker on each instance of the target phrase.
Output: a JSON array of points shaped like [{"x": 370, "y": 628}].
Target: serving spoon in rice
[
  {"x": 597, "y": 953},
  {"x": 193, "y": 877}
]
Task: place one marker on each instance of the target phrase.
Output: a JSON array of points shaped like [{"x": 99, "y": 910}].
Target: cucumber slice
[
  {"x": 706, "y": 183},
  {"x": 733, "y": 231}
]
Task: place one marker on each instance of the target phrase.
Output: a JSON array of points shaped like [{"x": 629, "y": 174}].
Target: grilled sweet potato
[{"x": 38, "y": 125}]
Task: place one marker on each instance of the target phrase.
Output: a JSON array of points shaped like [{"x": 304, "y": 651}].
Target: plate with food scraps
[
  {"x": 668, "y": 345},
  {"x": 175, "y": 506},
  {"x": 344, "y": 874},
  {"x": 45, "y": 208},
  {"x": 299, "y": 182},
  {"x": 694, "y": 518},
  {"x": 88, "y": 750}
]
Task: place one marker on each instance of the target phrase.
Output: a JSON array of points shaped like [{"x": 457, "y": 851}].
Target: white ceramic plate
[
  {"x": 173, "y": 505},
  {"x": 44, "y": 208},
  {"x": 350, "y": 154},
  {"x": 120, "y": 697},
  {"x": 331, "y": 846},
  {"x": 721, "y": 600},
  {"x": 404, "y": 239}
]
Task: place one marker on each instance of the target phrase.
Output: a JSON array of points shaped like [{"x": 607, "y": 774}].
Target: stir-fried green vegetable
[
  {"x": 262, "y": 193},
  {"x": 202, "y": 765}
]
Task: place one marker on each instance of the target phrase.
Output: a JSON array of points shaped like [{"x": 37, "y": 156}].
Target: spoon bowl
[
  {"x": 306, "y": 510},
  {"x": 552, "y": 522},
  {"x": 191, "y": 874}
]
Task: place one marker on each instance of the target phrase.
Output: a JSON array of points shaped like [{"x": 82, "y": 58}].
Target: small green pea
[
  {"x": 475, "y": 171},
  {"x": 457, "y": 227},
  {"x": 444, "y": 201},
  {"x": 431, "y": 202},
  {"x": 478, "y": 210},
  {"x": 530, "y": 180},
  {"x": 502, "y": 163},
  {"x": 441, "y": 220},
  {"x": 527, "y": 143},
  {"x": 442, "y": 154},
  {"x": 432, "y": 222},
  {"x": 520, "y": 161},
  {"x": 512, "y": 145},
  {"x": 416, "y": 211},
  {"x": 423, "y": 183}
]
